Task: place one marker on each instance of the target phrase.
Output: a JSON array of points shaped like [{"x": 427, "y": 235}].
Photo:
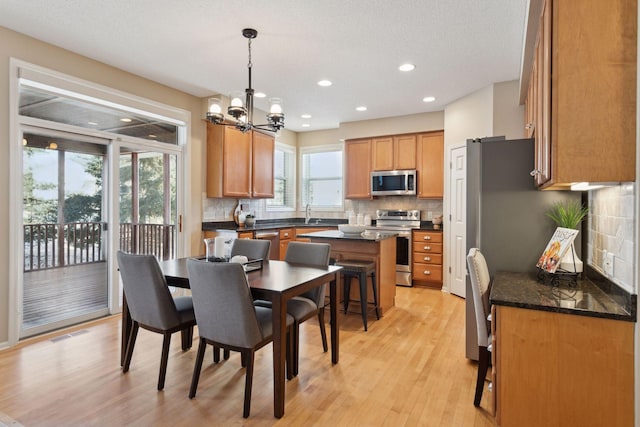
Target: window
[
  {"x": 284, "y": 181},
  {"x": 321, "y": 177}
]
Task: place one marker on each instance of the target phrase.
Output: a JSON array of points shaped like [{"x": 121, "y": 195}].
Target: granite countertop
[
  {"x": 523, "y": 290},
  {"x": 371, "y": 236},
  {"x": 289, "y": 223}
]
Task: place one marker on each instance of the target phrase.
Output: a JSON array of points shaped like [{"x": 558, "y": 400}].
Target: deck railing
[{"x": 59, "y": 245}]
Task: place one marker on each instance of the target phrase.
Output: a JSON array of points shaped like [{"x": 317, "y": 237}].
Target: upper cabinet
[
  {"x": 581, "y": 98},
  {"x": 357, "y": 169},
  {"x": 430, "y": 165},
  {"x": 394, "y": 152},
  {"x": 239, "y": 164},
  {"x": 421, "y": 151}
]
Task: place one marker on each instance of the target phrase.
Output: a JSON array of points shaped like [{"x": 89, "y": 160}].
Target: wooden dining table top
[{"x": 276, "y": 281}]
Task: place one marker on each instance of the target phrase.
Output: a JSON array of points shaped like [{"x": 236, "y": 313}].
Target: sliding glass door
[{"x": 65, "y": 275}]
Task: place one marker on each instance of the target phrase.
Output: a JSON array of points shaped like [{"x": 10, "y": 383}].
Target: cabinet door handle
[
  {"x": 427, "y": 248},
  {"x": 427, "y": 237},
  {"x": 535, "y": 172},
  {"x": 427, "y": 258},
  {"x": 286, "y": 234},
  {"x": 427, "y": 272}
]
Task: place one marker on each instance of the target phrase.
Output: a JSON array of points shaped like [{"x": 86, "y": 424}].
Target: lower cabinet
[
  {"x": 556, "y": 369},
  {"x": 427, "y": 258},
  {"x": 286, "y": 235}
]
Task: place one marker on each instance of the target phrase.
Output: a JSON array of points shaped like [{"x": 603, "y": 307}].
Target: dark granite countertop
[
  {"x": 271, "y": 224},
  {"x": 523, "y": 290},
  {"x": 371, "y": 236}
]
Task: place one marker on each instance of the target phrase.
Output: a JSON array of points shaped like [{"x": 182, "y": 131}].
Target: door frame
[{"x": 20, "y": 69}]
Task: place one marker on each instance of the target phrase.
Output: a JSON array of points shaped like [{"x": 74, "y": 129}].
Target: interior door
[{"x": 457, "y": 226}]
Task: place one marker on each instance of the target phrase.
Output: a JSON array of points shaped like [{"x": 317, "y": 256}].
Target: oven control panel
[{"x": 398, "y": 214}]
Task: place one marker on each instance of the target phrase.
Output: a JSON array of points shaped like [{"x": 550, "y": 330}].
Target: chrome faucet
[{"x": 307, "y": 214}]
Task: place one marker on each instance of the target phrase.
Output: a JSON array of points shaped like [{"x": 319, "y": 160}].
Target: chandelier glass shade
[{"x": 241, "y": 104}]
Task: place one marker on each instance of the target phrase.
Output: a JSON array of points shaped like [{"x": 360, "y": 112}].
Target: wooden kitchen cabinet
[
  {"x": 582, "y": 92},
  {"x": 286, "y": 236},
  {"x": 394, "y": 152},
  {"x": 239, "y": 164},
  {"x": 557, "y": 369},
  {"x": 357, "y": 169},
  {"x": 430, "y": 165},
  {"x": 427, "y": 258}
]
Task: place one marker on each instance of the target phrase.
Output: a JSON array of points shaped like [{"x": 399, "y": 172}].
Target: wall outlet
[
  {"x": 607, "y": 262},
  {"x": 429, "y": 215}
]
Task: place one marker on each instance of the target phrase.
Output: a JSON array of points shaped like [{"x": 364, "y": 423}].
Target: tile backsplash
[
  {"x": 222, "y": 209},
  {"x": 611, "y": 229}
]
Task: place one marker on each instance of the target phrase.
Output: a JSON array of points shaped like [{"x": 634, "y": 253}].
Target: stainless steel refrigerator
[{"x": 505, "y": 212}]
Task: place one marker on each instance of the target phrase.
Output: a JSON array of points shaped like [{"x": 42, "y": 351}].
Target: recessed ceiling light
[
  {"x": 361, "y": 108},
  {"x": 428, "y": 99},
  {"x": 92, "y": 123},
  {"x": 126, "y": 120},
  {"x": 260, "y": 95},
  {"x": 324, "y": 83},
  {"x": 306, "y": 116},
  {"x": 306, "y": 125},
  {"x": 407, "y": 67}
]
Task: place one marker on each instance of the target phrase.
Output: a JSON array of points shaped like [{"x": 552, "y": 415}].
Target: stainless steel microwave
[{"x": 393, "y": 183}]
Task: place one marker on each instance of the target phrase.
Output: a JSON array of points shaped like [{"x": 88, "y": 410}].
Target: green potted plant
[{"x": 569, "y": 215}]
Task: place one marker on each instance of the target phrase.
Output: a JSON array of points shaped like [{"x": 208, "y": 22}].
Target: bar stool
[{"x": 360, "y": 270}]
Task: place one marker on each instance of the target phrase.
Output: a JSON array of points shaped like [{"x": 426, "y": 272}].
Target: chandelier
[{"x": 243, "y": 111}]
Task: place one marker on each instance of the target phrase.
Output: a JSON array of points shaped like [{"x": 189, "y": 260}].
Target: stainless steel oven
[{"x": 401, "y": 222}]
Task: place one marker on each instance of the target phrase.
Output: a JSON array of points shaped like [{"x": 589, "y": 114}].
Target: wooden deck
[{"x": 63, "y": 293}]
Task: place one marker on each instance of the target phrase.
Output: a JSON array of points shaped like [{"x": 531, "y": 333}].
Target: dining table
[{"x": 276, "y": 281}]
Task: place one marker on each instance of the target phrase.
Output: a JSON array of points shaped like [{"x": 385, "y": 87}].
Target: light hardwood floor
[{"x": 409, "y": 369}]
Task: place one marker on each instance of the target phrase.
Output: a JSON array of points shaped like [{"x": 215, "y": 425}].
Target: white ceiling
[{"x": 457, "y": 46}]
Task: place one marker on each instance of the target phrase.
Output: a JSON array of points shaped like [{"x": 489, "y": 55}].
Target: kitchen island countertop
[{"x": 371, "y": 235}]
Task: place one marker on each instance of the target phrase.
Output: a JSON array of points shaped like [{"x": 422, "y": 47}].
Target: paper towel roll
[{"x": 219, "y": 251}]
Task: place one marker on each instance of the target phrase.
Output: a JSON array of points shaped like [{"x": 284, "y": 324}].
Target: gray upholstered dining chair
[
  {"x": 251, "y": 248},
  {"x": 310, "y": 303},
  {"x": 480, "y": 281},
  {"x": 152, "y": 307},
  {"x": 227, "y": 318}
]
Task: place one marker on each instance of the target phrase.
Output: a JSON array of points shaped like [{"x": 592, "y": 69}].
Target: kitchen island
[
  {"x": 562, "y": 355},
  {"x": 379, "y": 247}
]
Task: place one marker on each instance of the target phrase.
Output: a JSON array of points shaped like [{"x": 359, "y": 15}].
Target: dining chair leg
[
  {"x": 227, "y": 354},
  {"x": 295, "y": 350},
  {"x": 375, "y": 294},
  {"x": 166, "y": 344},
  {"x": 187, "y": 338},
  {"x": 130, "y": 345},
  {"x": 216, "y": 354},
  {"x": 289, "y": 353},
  {"x": 248, "y": 356},
  {"x": 483, "y": 365},
  {"x": 202, "y": 346},
  {"x": 323, "y": 332}
]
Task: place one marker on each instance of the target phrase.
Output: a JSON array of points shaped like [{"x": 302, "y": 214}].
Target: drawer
[
  {"x": 286, "y": 234},
  {"x": 427, "y": 236},
  {"x": 427, "y": 247},
  {"x": 427, "y": 258},
  {"x": 427, "y": 272}
]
